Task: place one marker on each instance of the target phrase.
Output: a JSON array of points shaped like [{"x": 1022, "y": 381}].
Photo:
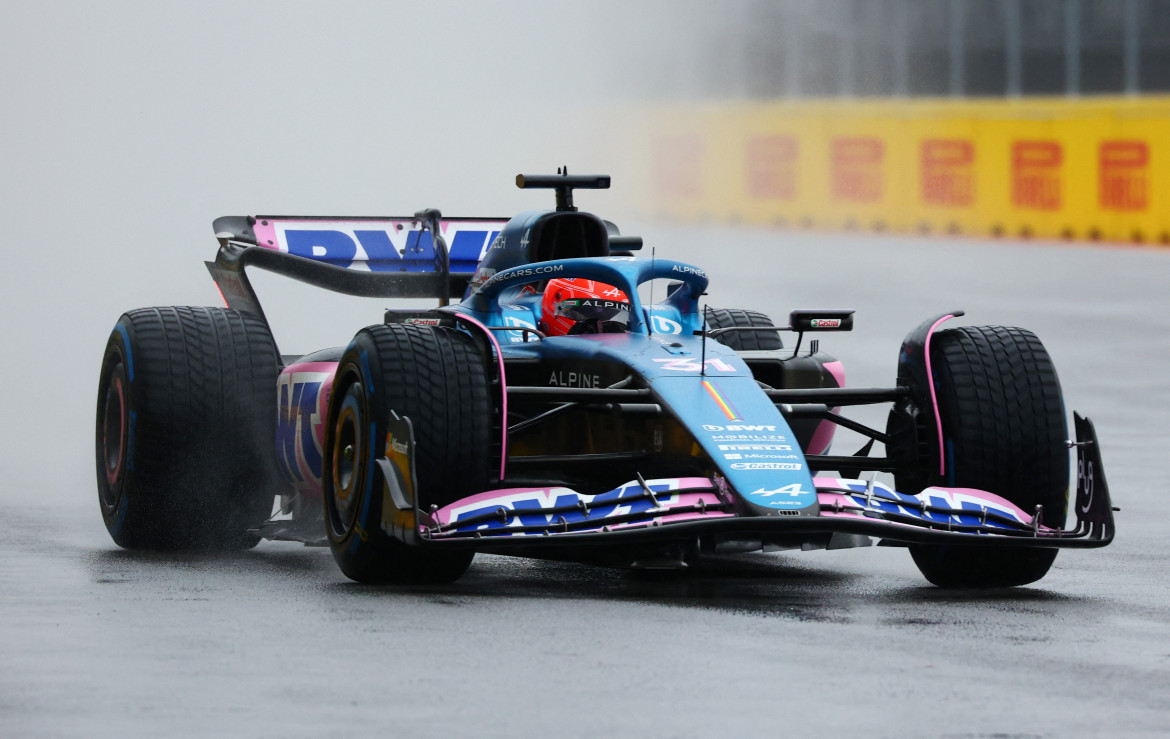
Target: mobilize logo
[
  {"x": 712, "y": 427},
  {"x": 750, "y": 438}
]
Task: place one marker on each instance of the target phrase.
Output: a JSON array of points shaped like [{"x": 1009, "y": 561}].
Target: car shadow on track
[
  {"x": 752, "y": 584},
  {"x": 294, "y": 561},
  {"x": 760, "y": 585}
]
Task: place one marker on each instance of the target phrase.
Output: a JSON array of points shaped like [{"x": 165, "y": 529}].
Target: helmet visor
[{"x": 601, "y": 309}]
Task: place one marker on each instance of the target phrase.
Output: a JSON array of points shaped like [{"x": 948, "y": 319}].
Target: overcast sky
[{"x": 128, "y": 126}]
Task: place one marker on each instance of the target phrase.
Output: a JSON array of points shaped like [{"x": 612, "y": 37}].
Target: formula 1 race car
[{"x": 557, "y": 411}]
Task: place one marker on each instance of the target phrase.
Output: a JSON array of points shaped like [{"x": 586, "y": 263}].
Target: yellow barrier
[{"x": 1094, "y": 168}]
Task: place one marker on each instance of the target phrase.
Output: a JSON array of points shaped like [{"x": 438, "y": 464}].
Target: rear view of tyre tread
[{"x": 203, "y": 395}]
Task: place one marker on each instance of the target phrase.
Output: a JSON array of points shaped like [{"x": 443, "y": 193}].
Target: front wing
[{"x": 850, "y": 512}]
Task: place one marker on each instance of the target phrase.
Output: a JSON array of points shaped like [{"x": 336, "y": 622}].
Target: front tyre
[
  {"x": 743, "y": 340},
  {"x": 1004, "y": 431},
  {"x": 436, "y": 378}
]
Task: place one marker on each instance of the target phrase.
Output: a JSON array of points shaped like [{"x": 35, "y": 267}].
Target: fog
[{"x": 128, "y": 127}]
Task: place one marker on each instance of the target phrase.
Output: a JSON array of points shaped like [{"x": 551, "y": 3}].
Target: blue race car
[{"x": 558, "y": 411}]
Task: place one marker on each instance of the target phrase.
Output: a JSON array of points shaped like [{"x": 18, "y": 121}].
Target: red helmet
[{"x": 574, "y": 305}]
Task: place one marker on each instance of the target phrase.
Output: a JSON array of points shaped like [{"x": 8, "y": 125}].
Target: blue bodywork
[{"x": 703, "y": 383}]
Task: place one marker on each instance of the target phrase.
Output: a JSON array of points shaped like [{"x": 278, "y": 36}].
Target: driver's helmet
[{"x": 574, "y": 305}]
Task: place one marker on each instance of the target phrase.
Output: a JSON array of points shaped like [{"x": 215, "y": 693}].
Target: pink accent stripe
[
  {"x": 837, "y": 370},
  {"x": 822, "y": 438},
  {"x": 942, "y": 456},
  {"x": 265, "y": 230},
  {"x": 503, "y": 389},
  {"x": 310, "y": 367}
]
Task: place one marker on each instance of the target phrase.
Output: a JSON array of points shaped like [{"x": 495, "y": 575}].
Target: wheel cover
[
  {"x": 348, "y": 462},
  {"x": 113, "y": 435}
]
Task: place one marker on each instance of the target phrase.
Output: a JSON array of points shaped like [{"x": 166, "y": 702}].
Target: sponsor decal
[
  {"x": 483, "y": 274},
  {"x": 771, "y": 167},
  {"x": 825, "y": 323},
  {"x": 855, "y": 169},
  {"x": 1125, "y": 177},
  {"x": 720, "y": 401},
  {"x": 662, "y": 325},
  {"x": 299, "y": 431},
  {"x": 605, "y": 305},
  {"x": 569, "y": 378},
  {"x": 767, "y": 466},
  {"x": 686, "y": 269},
  {"x": 1036, "y": 174},
  {"x": 790, "y": 490},
  {"x": 535, "y": 271},
  {"x": 692, "y": 364},
  {"x": 533, "y": 506},
  {"x": 745, "y": 438},
  {"x": 733, "y": 456},
  {"x": 973, "y": 502},
  {"x": 948, "y": 176},
  {"x": 423, "y": 321},
  {"x": 712, "y": 427},
  {"x": 755, "y": 448},
  {"x": 377, "y": 246},
  {"x": 770, "y": 456},
  {"x": 517, "y": 337},
  {"x": 788, "y": 496}
]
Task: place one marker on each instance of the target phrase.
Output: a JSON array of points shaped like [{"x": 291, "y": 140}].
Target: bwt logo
[
  {"x": 299, "y": 408},
  {"x": 377, "y": 249}
]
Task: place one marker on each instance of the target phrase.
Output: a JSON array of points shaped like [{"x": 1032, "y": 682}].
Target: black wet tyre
[
  {"x": 186, "y": 425},
  {"x": 1004, "y": 431},
  {"x": 436, "y": 377},
  {"x": 743, "y": 340}
]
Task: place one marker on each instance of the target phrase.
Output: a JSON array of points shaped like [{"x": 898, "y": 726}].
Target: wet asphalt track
[{"x": 95, "y": 641}]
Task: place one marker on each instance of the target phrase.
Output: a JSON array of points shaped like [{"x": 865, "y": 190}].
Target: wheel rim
[
  {"x": 347, "y": 461},
  {"x": 113, "y": 434}
]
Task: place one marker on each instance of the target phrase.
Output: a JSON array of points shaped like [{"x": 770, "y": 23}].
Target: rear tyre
[
  {"x": 1004, "y": 431},
  {"x": 186, "y": 424},
  {"x": 436, "y": 378},
  {"x": 743, "y": 340}
]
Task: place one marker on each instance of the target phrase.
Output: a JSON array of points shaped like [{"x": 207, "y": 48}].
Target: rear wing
[{"x": 424, "y": 256}]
